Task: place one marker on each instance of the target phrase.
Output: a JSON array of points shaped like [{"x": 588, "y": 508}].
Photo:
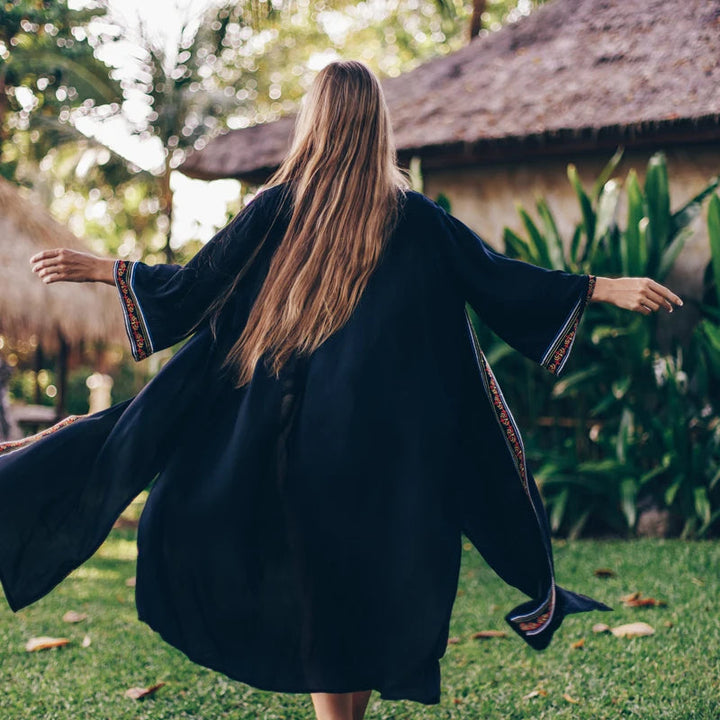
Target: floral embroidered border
[
  {"x": 502, "y": 409},
  {"x": 534, "y": 622},
  {"x": 538, "y": 619},
  {"x": 559, "y": 350},
  {"x": 10, "y": 445},
  {"x": 140, "y": 342}
]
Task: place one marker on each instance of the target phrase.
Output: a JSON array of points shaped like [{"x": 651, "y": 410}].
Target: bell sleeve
[
  {"x": 534, "y": 310},
  {"x": 162, "y": 303}
]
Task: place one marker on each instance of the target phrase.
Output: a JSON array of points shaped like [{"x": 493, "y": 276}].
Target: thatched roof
[
  {"x": 28, "y": 306},
  {"x": 574, "y": 74}
]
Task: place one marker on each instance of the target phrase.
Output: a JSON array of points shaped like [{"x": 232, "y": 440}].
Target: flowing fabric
[{"x": 303, "y": 533}]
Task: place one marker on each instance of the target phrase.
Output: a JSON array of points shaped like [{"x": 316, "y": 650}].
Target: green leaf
[
  {"x": 588, "y": 214},
  {"x": 607, "y": 206},
  {"x": 671, "y": 491},
  {"x": 536, "y": 237},
  {"x": 515, "y": 244},
  {"x": 702, "y": 503},
  {"x": 558, "y": 509},
  {"x": 657, "y": 196},
  {"x": 688, "y": 212},
  {"x": 714, "y": 480},
  {"x": 575, "y": 246},
  {"x": 601, "y": 332},
  {"x": 670, "y": 254},
  {"x": 607, "y": 171},
  {"x": 554, "y": 242},
  {"x": 714, "y": 233},
  {"x": 631, "y": 240},
  {"x": 575, "y": 378},
  {"x": 578, "y": 525},
  {"x": 625, "y": 432},
  {"x": 601, "y": 467},
  {"x": 657, "y": 470},
  {"x": 628, "y": 494}
]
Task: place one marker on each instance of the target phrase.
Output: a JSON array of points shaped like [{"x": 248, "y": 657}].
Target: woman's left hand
[{"x": 641, "y": 294}]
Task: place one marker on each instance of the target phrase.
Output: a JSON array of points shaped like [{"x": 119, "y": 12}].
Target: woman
[{"x": 324, "y": 437}]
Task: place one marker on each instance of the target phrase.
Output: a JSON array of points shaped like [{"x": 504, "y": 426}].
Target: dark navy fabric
[{"x": 304, "y": 532}]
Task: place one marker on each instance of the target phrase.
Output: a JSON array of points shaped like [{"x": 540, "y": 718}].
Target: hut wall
[{"x": 485, "y": 197}]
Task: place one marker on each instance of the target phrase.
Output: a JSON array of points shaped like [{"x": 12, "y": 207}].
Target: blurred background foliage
[
  {"x": 632, "y": 423},
  {"x": 76, "y": 75},
  {"x": 634, "y": 420}
]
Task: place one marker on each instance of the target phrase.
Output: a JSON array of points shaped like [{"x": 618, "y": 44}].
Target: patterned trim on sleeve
[
  {"x": 503, "y": 415},
  {"x": 534, "y": 622},
  {"x": 558, "y": 352},
  {"x": 538, "y": 618},
  {"x": 135, "y": 326},
  {"x": 10, "y": 445}
]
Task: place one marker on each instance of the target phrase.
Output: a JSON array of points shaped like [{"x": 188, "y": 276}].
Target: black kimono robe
[{"x": 303, "y": 533}]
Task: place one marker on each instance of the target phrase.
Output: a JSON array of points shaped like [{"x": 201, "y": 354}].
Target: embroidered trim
[
  {"x": 534, "y": 622},
  {"x": 140, "y": 342},
  {"x": 537, "y": 620},
  {"x": 11, "y": 445},
  {"x": 559, "y": 350},
  {"x": 504, "y": 417}
]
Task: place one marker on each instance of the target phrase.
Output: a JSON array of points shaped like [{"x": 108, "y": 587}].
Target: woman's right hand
[
  {"x": 63, "y": 264},
  {"x": 641, "y": 294}
]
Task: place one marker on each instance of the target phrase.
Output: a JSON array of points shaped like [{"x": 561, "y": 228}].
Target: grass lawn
[{"x": 673, "y": 674}]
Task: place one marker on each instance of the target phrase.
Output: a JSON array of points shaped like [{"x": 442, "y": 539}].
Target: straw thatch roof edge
[{"x": 574, "y": 74}]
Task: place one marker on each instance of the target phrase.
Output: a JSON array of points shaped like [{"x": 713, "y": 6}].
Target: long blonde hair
[{"x": 347, "y": 188}]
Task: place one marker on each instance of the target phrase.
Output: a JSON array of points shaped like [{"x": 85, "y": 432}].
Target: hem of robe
[
  {"x": 388, "y": 691},
  {"x": 537, "y": 619}
]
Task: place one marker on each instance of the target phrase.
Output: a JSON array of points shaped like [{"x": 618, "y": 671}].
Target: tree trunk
[
  {"x": 476, "y": 20},
  {"x": 62, "y": 376},
  {"x": 167, "y": 202}
]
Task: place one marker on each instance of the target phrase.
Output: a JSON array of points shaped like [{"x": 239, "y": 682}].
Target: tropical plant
[{"x": 635, "y": 419}]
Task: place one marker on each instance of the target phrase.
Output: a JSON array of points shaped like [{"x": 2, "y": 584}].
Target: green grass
[{"x": 671, "y": 675}]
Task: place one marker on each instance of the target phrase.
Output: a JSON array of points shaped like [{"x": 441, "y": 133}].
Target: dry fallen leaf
[
  {"x": 636, "y": 600},
  {"x": 578, "y": 643},
  {"x": 130, "y": 582},
  {"x": 636, "y": 629},
  {"x": 453, "y": 640},
  {"x": 43, "y": 643},
  {"x": 457, "y": 701},
  {"x": 631, "y": 596},
  {"x": 484, "y": 634},
  {"x": 600, "y": 627},
  {"x": 73, "y": 617},
  {"x": 570, "y": 699},
  {"x": 535, "y": 693},
  {"x": 86, "y": 641},
  {"x": 604, "y": 572},
  {"x": 137, "y": 692}
]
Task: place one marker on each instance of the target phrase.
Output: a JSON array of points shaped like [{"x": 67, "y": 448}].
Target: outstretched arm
[
  {"x": 63, "y": 264},
  {"x": 641, "y": 294}
]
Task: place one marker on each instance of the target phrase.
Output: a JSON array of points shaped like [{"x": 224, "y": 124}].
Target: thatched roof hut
[
  {"x": 573, "y": 75},
  {"x": 30, "y": 307},
  {"x": 48, "y": 317}
]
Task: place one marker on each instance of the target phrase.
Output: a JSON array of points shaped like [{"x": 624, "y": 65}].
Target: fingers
[
  {"x": 659, "y": 299},
  {"x": 51, "y": 265},
  {"x": 664, "y": 292}
]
